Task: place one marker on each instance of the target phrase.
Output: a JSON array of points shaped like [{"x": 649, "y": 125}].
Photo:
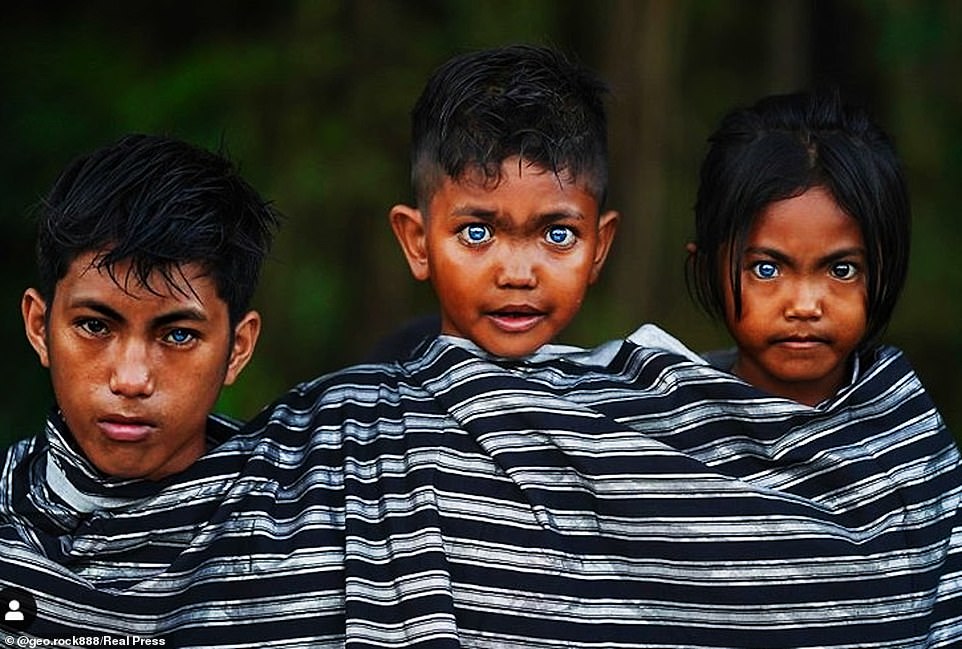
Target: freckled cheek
[
  {"x": 194, "y": 372},
  {"x": 210, "y": 362},
  {"x": 74, "y": 365},
  {"x": 197, "y": 383}
]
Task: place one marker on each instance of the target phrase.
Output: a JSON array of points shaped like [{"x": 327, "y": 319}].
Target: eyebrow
[
  {"x": 177, "y": 315},
  {"x": 542, "y": 218}
]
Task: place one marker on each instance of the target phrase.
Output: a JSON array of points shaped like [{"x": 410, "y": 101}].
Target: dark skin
[
  {"x": 510, "y": 262},
  {"x": 136, "y": 371}
]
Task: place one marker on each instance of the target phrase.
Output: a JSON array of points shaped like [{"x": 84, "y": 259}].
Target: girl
[{"x": 802, "y": 241}]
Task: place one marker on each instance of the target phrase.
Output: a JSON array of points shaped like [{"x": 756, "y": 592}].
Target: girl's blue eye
[
  {"x": 475, "y": 233},
  {"x": 560, "y": 236},
  {"x": 844, "y": 270},
  {"x": 765, "y": 270}
]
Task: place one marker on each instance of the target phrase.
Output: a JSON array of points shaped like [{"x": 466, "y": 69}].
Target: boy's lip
[
  {"x": 516, "y": 318},
  {"x": 124, "y": 428}
]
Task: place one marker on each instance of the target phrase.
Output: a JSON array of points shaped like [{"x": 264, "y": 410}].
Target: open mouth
[{"x": 516, "y": 319}]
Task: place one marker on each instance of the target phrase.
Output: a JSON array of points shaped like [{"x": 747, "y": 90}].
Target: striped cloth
[{"x": 622, "y": 498}]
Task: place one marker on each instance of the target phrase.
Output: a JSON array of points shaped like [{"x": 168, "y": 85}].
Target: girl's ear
[
  {"x": 34, "y": 310},
  {"x": 410, "y": 228},
  {"x": 246, "y": 333}
]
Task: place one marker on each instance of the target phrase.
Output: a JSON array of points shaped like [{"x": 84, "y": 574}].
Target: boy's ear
[
  {"x": 246, "y": 332},
  {"x": 410, "y": 229},
  {"x": 607, "y": 226},
  {"x": 34, "y": 310}
]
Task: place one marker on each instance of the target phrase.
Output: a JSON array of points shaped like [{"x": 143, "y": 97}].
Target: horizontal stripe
[{"x": 633, "y": 498}]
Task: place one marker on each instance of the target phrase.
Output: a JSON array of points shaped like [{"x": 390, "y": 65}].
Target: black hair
[
  {"x": 159, "y": 203},
  {"x": 777, "y": 149},
  {"x": 481, "y": 108}
]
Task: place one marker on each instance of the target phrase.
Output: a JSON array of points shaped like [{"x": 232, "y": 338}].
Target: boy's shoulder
[
  {"x": 363, "y": 385},
  {"x": 653, "y": 336}
]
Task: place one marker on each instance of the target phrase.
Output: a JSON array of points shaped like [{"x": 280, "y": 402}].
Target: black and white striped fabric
[{"x": 623, "y": 498}]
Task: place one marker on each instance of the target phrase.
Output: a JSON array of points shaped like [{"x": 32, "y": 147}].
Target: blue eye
[
  {"x": 475, "y": 233},
  {"x": 180, "y": 336},
  {"x": 764, "y": 270},
  {"x": 843, "y": 270},
  {"x": 560, "y": 236}
]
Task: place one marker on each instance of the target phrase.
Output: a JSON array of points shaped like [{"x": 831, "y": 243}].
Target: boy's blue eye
[
  {"x": 475, "y": 233},
  {"x": 560, "y": 236},
  {"x": 180, "y": 336},
  {"x": 844, "y": 270},
  {"x": 764, "y": 270}
]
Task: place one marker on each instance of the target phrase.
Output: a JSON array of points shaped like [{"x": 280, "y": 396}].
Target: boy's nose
[
  {"x": 130, "y": 374},
  {"x": 516, "y": 270},
  {"x": 805, "y": 302}
]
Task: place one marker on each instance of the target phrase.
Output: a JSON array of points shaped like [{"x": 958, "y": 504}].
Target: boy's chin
[
  {"x": 513, "y": 348},
  {"x": 496, "y": 338}
]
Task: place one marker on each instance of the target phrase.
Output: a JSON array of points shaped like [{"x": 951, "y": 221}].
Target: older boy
[{"x": 148, "y": 252}]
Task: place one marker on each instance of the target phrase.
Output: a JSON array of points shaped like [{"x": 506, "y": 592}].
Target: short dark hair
[
  {"x": 778, "y": 148},
  {"x": 483, "y": 107},
  {"x": 159, "y": 203}
]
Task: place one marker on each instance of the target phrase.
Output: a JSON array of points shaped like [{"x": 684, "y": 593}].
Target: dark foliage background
[{"x": 313, "y": 97}]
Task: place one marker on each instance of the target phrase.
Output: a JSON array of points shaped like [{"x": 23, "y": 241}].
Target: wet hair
[
  {"x": 777, "y": 149},
  {"x": 481, "y": 108},
  {"x": 158, "y": 203}
]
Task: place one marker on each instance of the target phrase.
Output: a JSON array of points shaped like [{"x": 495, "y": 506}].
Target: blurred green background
[{"x": 312, "y": 98}]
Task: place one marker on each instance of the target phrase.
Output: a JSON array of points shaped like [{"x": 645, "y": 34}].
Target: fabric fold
[{"x": 624, "y": 496}]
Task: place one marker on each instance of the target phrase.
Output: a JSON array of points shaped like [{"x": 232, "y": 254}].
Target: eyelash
[
  {"x": 191, "y": 334},
  {"x": 86, "y": 323},
  {"x": 570, "y": 241},
  {"x": 756, "y": 266},
  {"x": 464, "y": 234},
  {"x": 851, "y": 267},
  {"x": 99, "y": 329}
]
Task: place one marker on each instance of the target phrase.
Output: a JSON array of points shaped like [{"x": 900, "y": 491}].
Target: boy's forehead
[
  {"x": 176, "y": 280},
  {"x": 490, "y": 176},
  {"x": 480, "y": 181},
  {"x": 511, "y": 176},
  {"x": 528, "y": 192}
]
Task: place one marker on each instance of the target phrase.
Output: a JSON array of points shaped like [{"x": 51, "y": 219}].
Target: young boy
[{"x": 509, "y": 167}]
